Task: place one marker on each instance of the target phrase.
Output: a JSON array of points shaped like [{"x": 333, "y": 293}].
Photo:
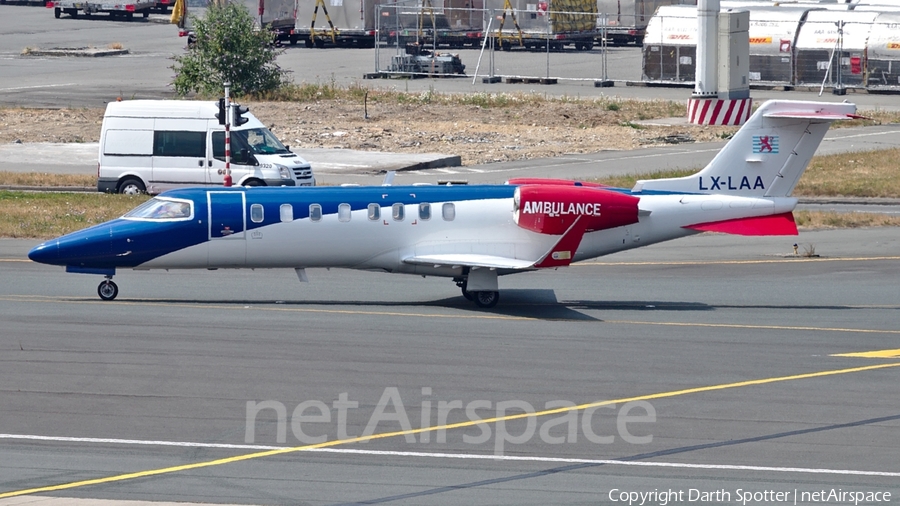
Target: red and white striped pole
[{"x": 227, "y": 135}]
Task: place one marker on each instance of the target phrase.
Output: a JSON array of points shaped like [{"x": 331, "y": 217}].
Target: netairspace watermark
[
  {"x": 746, "y": 497},
  {"x": 313, "y": 417}
]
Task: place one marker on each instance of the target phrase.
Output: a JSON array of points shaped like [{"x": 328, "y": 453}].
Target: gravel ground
[{"x": 479, "y": 135}]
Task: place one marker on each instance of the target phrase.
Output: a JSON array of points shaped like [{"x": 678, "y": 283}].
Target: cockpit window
[{"x": 159, "y": 208}]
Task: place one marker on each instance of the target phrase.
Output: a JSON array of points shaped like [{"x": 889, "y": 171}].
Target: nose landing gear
[{"x": 108, "y": 289}]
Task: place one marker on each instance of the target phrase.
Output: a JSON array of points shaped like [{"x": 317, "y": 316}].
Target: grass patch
[
  {"x": 813, "y": 220},
  {"x": 45, "y": 179},
  {"x": 861, "y": 174},
  {"x": 48, "y": 215}
]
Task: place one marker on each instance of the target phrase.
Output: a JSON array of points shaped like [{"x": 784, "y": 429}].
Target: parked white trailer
[
  {"x": 116, "y": 9},
  {"x": 337, "y": 22},
  {"x": 625, "y": 21},
  {"x": 883, "y": 52},
  {"x": 278, "y": 15}
]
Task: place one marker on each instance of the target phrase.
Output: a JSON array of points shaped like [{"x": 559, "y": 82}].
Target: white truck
[{"x": 156, "y": 145}]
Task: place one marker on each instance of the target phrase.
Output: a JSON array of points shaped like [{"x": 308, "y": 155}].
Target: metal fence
[{"x": 518, "y": 45}]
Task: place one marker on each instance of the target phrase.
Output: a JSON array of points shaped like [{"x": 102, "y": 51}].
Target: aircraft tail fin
[{"x": 767, "y": 156}]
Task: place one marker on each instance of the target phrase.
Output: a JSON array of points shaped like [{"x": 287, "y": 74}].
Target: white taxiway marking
[
  {"x": 462, "y": 456},
  {"x": 37, "y": 86}
]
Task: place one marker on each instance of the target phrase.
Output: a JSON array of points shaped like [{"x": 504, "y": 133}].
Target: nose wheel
[{"x": 108, "y": 289}]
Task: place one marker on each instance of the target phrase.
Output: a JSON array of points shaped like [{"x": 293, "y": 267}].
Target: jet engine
[{"x": 553, "y": 209}]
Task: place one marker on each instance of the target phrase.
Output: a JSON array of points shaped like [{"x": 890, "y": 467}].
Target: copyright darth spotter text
[{"x": 746, "y": 497}]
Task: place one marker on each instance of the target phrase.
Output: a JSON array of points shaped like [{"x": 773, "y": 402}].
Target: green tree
[{"x": 228, "y": 47}]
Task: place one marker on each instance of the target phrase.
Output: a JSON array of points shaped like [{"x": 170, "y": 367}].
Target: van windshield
[{"x": 257, "y": 141}]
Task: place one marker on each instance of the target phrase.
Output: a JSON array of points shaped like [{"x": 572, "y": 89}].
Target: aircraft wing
[{"x": 471, "y": 260}]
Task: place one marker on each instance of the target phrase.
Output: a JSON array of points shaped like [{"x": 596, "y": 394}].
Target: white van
[{"x": 155, "y": 145}]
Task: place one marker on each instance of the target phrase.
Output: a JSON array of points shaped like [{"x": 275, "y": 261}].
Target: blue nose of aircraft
[{"x": 45, "y": 253}]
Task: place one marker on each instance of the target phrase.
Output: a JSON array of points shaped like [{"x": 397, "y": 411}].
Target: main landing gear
[
  {"x": 488, "y": 295},
  {"x": 107, "y": 289}
]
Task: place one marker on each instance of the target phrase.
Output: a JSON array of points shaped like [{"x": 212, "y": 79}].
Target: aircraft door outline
[{"x": 227, "y": 215}]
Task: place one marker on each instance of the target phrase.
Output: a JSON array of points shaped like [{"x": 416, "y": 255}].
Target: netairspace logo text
[{"x": 311, "y": 420}]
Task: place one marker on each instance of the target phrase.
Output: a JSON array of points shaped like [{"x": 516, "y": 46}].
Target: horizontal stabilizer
[
  {"x": 821, "y": 115},
  {"x": 470, "y": 260},
  {"x": 776, "y": 224}
]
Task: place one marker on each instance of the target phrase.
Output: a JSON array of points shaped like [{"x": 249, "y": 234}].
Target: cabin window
[
  {"x": 448, "y": 211},
  {"x": 424, "y": 211},
  {"x": 287, "y": 213},
  {"x": 374, "y": 212},
  {"x": 344, "y": 212},
  {"x": 315, "y": 212},
  {"x": 397, "y": 212},
  {"x": 163, "y": 209},
  {"x": 256, "y": 213},
  {"x": 179, "y": 143}
]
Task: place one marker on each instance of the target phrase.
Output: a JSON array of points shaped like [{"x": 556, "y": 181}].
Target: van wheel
[
  {"x": 132, "y": 186},
  {"x": 253, "y": 182}
]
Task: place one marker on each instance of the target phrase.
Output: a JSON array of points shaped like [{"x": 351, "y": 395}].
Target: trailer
[
  {"x": 359, "y": 23},
  {"x": 831, "y": 48},
  {"x": 125, "y": 9},
  {"x": 543, "y": 24},
  {"x": 884, "y": 53},
  {"x": 622, "y": 22},
  {"x": 277, "y": 15}
]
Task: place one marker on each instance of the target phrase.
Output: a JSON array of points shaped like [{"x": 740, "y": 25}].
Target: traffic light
[
  {"x": 221, "y": 114},
  {"x": 239, "y": 111}
]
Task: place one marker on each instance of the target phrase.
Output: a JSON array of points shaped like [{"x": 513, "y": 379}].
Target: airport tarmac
[{"x": 721, "y": 348}]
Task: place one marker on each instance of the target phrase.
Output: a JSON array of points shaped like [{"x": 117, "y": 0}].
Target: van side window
[
  {"x": 179, "y": 143},
  {"x": 256, "y": 213},
  {"x": 424, "y": 211},
  {"x": 315, "y": 212},
  {"x": 448, "y": 211},
  {"x": 374, "y": 212},
  {"x": 287, "y": 212},
  {"x": 397, "y": 211},
  {"x": 344, "y": 212}
]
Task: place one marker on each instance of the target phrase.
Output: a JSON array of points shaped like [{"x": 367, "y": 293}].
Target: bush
[{"x": 229, "y": 47}]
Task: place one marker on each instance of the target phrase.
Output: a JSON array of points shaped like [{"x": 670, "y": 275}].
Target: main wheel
[
  {"x": 466, "y": 293},
  {"x": 57, "y": 12},
  {"x": 132, "y": 186},
  {"x": 486, "y": 299},
  {"x": 108, "y": 290}
]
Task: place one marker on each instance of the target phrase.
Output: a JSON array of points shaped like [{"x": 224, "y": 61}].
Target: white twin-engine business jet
[{"x": 472, "y": 234}]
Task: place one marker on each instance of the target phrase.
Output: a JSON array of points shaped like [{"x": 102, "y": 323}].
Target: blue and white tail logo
[{"x": 766, "y": 157}]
